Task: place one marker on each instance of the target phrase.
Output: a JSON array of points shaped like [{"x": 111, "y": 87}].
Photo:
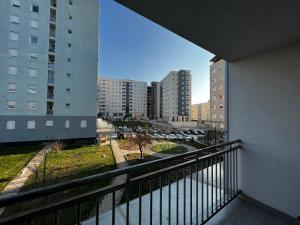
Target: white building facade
[
  {"x": 48, "y": 50},
  {"x": 176, "y": 96},
  {"x": 119, "y": 98}
]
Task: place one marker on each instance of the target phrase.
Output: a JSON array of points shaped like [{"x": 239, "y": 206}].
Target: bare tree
[{"x": 142, "y": 140}]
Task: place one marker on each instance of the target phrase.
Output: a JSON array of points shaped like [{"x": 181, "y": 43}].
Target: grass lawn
[
  {"x": 65, "y": 165},
  {"x": 123, "y": 144},
  {"x": 168, "y": 148},
  {"x": 12, "y": 161}
]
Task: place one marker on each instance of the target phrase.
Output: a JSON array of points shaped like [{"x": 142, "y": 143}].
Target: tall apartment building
[
  {"x": 176, "y": 96},
  {"x": 122, "y": 98},
  {"x": 217, "y": 75},
  {"x": 48, "y": 68},
  {"x": 201, "y": 112},
  {"x": 153, "y": 100}
]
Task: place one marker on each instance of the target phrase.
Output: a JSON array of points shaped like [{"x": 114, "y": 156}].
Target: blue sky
[{"x": 134, "y": 47}]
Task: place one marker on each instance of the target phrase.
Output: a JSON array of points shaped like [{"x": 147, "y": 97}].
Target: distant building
[
  {"x": 217, "y": 75},
  {"x": 201, "y": 112},
  {"x": 176, "y": 96},
  {"x": 153, "y": 100},
  {"x": 48, "y": 67},
  {"x": 119, "y": 98},
  {"x": 195, "y": 112}
]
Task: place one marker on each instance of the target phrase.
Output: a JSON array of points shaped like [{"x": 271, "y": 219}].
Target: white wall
[{"x": 264, "y": 112}]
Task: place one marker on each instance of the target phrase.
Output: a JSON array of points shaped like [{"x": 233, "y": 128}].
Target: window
[
  {"x": 35, "y": 8},
  {"x": 32, "y": 89},
  {"x": 11, "y": 104},
  {"x": 70, "y": 17},
  {"x": 69, "y": 31},
  {"x": 69, "y": 45},
  {"x": 69, "y": 59},
  {"x": 12, "y": 87},
  {"x": 32, "y": 72},
  {"x": 34, "y": 24},
  {"x": 13, "y": 36},
  {"x": 83, "y": 123},
  {"x": 68, "y": 75},
  {"x": 15, "y": 3},
  {"x": 14, "y": 19},
  {"x": 12, "y": 53},
  {"x": 12, "y": 70},
  {"x": 67, "y": 105},
  {"x": 10, "y": 125},
  {"x": 49, "y": 123},
  {"x": 31, "y": 106},
  {"x": 214, "y": 116},
  {"x": 31, "y": 124},
  {"x": 67, "y": 124},
  {"x": 214, "y": 107},
  {"x": 34, "y": 40},
  {"x": 33, "y": 56},
  {"x": 221, "y": 106},
  {"x": 70, "y": 2},
  {"x": 68, "y": 90}
]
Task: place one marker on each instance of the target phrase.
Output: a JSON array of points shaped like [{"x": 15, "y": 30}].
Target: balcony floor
[{"x": 244, "y": 211}]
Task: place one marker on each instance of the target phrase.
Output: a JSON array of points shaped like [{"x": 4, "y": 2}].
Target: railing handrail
[{"x": 48, "y": 190}]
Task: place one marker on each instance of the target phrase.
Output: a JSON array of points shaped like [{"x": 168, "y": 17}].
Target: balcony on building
[
  {"x": 51, "y": 46},
  {"x": 52, "y": 31},
  {"x": 50, "y": 92},
  {"x": 51, "y": 61},
  {"x": 53, "y": 4},
  {"x": 50, "y": 108},
  {"x": 50, "y": 77},
  {"x": 52, "y": 16}
]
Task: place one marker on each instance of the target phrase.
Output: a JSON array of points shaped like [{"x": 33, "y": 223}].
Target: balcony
[
  {"x": 191, "y": 188},
  {"x": 51, "y": 65},
  {"x": 53, "y": 4}
]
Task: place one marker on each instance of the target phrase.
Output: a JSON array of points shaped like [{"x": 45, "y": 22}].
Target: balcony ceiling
[{"x": 231, "y": 29}]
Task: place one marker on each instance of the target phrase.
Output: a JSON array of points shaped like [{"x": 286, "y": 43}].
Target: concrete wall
[
  {"x": 263, "y": 111},
  {"x": 43, "y": 132}
]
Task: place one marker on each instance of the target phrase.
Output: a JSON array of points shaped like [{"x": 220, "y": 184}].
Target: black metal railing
[{"x": 183, "y": 189}]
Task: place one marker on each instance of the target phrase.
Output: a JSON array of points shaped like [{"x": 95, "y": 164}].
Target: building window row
[{"x": 31, "y": 124}]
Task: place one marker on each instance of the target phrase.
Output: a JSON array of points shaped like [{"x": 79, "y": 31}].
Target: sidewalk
[{"x": 18, "y": 182}]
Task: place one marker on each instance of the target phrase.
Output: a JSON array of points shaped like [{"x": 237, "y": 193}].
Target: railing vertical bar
[
  {"x": 220, "y": 179},
  {"x": 78, "y": 214},
  {"x": 127, "y": 205},
  {"x": 233, "y": 173},
  {"x": 197, "y": 190},
  {"x": 184, "y": 194},
  {"x": 113, "y": 214},
  {"x": 236, "y": 171},
  {"x": 169, "y": 198},
  {"x": 140, "y": 204},
  {"x": 56, "y": 218},
  {"x": 216, "y": 186},
  {"x": 212, "y": 185},
  {"x": 207, "y": 196},
  {"x": 97, "y": 211},
  {"x": 230, "y": 159},
  {"x": 202, "y": 191},
  {"x": 151, "y": 201},
  {"x": 224, "y": 178},
  {"x": 177, "y": 198},
  {"x": 191, "y": 194},
  {"x": 160, "y": 202}
]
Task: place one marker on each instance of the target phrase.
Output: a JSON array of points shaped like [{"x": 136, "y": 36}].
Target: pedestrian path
[{"x": 18, "y": 182}]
